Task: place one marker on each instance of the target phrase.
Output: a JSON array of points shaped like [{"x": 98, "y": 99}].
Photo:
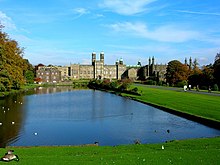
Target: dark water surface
[{"x": 62, "y": 116}]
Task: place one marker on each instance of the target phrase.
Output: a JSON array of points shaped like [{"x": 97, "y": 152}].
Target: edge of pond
[{"x": 205, "y": 121}]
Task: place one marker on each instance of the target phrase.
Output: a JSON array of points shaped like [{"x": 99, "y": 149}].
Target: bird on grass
[{"x": 9, "y": 156}]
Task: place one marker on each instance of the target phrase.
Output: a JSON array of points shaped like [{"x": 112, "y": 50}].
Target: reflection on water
[{"x": 62, "y": 116}]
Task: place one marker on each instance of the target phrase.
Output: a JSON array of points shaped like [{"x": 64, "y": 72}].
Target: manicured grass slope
[
  {"x": 206, "y": 106},
  {"x": 199, "y": 151}
]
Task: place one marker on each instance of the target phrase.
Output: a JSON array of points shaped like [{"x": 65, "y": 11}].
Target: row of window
[
  {"x": 47, "y": 73},
  {"x": 47, "y": 77}
]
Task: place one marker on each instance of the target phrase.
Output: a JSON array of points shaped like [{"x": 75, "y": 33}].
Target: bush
[
  {"x": 151, "y": 82},
  {"x": 181, "y": 84},
  {"x": 215, "y": 87},
  {"x": 135, "y": 90},
  {"x": 204, "y": 87}
]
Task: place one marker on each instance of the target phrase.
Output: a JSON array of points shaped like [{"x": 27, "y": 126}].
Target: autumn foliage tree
[
  {"x": 176, "y": 72},
  {"x": 12, "y": 64}
]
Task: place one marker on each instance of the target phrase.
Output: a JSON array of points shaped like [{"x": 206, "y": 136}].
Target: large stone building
[
  {"x": 99, "y": 70},
  {"x": 151, "y": 71}
]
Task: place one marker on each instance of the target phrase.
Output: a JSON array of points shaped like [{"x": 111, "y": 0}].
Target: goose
[{"x": 9, "y": 156}]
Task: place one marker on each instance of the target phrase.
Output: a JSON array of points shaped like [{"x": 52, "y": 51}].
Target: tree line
[
  {"x": 179, "y": 74},
  {"x": 15, "y": 71}
]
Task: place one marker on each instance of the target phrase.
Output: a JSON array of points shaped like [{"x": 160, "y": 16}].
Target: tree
[
  {"x": 12, "y": 64},
  {"x": 176, "y": 72},
  {"x": 207, "y": 78},
  {"x": 195, "y": 74},
  {"x": 217, "y": 57},
  {"x": 29, "y": 75},
  {"x": 216, "y": 67}
]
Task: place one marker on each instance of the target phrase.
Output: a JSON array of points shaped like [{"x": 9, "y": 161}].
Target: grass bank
[
  {"x": 199, "y": 105},
  {"x": 22, "y": 89},
  {"x": 199, "y": 151}
]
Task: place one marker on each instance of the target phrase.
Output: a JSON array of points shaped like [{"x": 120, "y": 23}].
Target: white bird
[
  {"x": 0, "y": 123},
  {"x": 162, "y": 147},
  {"x": 35, "y": 133},
  {"x": 12, "y": 122}
]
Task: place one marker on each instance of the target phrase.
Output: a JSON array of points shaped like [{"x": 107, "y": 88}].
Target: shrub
[
  {"x": 181, "y": 84},
  {"x": 215, "y": 87},
  {"x": 135, "y": 90},
  {"x": 151, "y": 82}
]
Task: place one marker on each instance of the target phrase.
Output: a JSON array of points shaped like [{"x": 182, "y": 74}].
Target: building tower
[
  {"x": 190, "y": 63},
  {"x": 102, "y": 56},
  {"x": 148, "y": 67},
  {"x": 94, "y": 63},
  {"x": 153, "y": 66},
  {"x": 93, "y": 58}
]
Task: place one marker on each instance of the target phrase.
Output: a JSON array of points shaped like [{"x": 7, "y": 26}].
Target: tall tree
[
  {"x": 207, "y": 78},
  {"x": 176, "y": 72},
  {"x": 216, "y": 67},
  {"x": 12, "y": 64}
]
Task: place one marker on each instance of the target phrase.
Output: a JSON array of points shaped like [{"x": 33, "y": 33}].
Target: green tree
[{"x": 29, "y": 75}]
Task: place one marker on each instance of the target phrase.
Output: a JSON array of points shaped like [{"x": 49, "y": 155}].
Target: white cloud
[
  {"x": 80, "y": 11},
  {"x": 167, "y": 33},
  {"x": 7, "y": 21},
  {"x": 126, "y": 7},
  {"x": 197, "y": 12}
]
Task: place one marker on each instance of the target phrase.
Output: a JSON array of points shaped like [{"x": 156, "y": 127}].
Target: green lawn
[
  {"x": 206, "y": 106},
  {"x": 199, "y": 151}
]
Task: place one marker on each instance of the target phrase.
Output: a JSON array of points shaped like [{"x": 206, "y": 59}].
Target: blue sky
[{"x": 61, "y": 32}]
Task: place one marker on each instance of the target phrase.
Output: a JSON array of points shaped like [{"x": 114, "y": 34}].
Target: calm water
[{"x": 61, "y": 116}]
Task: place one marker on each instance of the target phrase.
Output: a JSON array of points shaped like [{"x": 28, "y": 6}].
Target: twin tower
[{"x": 100, "y": 70}]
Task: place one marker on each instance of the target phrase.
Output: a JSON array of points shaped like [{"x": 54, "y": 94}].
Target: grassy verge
[
  {"x": 23, "y": 88},
  {"x": 205, "y": 106},
  {"x": 199, "y": 151}
]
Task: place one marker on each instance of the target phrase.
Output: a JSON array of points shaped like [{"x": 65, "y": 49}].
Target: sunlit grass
[
  {"x": 206, "y": 106},
  {"x": 200, "y": 151}
]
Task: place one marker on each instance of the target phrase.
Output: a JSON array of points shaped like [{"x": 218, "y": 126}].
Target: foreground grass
[
  {"x": 199, "y": 151},
  {"x": 206, "y": 106}
]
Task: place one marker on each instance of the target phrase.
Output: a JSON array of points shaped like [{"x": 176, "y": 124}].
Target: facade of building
[
  {"x": 98, "y": 70},
  {"x": 152, "y": 71},
  {"x": 48, "y": 74}
]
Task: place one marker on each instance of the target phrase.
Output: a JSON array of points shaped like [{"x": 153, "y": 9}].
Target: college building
[{"x": 99, "y": 70}]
